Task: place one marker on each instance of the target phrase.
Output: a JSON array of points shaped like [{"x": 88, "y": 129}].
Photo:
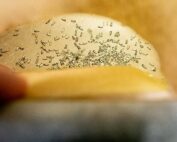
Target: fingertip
[{"x": 12, "y": 86}]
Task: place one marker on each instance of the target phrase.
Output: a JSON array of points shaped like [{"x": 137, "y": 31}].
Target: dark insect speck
[
  {"x": 48, "y": 21},
  {"x": 15, "y": 34},
  {"x": 154, "y": 70},
  {"x": 36, "y": 31},
  {"x": 73, "y": 21},
  {"x": 64, "y": 20},
  {"x": 141, "y": 46},
  {"x": 100, "y": 27},
  {"x": 77, "y": 57}
]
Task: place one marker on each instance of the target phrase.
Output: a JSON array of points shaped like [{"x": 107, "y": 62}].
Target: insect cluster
[{"x": 82, "y": 47}]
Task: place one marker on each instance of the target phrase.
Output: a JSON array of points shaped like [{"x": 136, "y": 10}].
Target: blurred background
[{"x": 155, "y": 20}]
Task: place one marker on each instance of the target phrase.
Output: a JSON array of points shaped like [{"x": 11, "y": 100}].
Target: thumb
[{"x": 12, "y": 86}]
